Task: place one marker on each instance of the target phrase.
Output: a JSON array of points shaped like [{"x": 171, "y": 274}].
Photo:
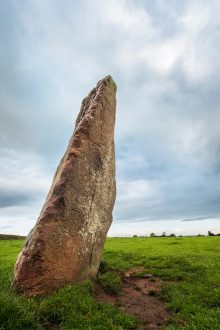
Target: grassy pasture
[{"x": 188, "y": 266}]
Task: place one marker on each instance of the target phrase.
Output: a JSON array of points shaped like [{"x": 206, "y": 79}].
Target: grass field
[{"x": 188, "y": 266}]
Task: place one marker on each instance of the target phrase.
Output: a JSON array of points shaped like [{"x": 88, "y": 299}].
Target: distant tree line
[
  {"x": 164, "y": 234},
  {"x": 212, "y": 234},
  {"x": 4, "y": 236}
]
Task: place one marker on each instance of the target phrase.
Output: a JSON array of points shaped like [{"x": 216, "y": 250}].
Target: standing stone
[{"x": 66, "y": 244}]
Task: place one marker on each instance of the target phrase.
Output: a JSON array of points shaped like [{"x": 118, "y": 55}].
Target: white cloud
[
  {"x": 126, "y": 17},
  {"x": 196, "y": 17},
  {"x": 136, "y": 190}
]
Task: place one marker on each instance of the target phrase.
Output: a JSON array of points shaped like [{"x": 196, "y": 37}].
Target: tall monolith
[{"x": 66, "y": 244}]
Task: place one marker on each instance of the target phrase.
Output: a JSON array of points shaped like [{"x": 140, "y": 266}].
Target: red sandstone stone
[{"x": 66, "y": 243}]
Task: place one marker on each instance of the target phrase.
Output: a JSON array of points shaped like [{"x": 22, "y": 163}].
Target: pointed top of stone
[{"x": 108, "y": 80}]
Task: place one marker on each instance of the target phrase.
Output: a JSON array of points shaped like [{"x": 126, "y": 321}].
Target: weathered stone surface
[{"x": 66, "y": 243}]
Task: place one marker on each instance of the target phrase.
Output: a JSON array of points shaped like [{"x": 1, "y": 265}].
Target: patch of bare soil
[{"x": 139, "y": 297}]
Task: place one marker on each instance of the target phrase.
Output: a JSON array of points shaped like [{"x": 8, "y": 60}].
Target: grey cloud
[
  {"x": 13, "y": 198},
  {"x": 200, "y": 218}
]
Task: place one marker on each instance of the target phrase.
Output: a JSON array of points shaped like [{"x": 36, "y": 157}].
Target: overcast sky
[{"x": 164, "y": 57}]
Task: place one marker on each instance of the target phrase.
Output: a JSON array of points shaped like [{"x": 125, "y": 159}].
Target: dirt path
[{"x": 139, "y": 297}]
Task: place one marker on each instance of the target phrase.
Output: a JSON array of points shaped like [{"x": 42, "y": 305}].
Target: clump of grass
[
  {"x": 111, "y": 282},
  {"x": 17, "y": 313}
]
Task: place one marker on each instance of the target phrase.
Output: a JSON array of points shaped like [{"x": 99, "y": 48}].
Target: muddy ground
[{"x": 139, "y": 296}]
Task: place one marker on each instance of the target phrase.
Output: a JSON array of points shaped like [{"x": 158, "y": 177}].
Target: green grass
[{"x": 190, "y": 268}]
